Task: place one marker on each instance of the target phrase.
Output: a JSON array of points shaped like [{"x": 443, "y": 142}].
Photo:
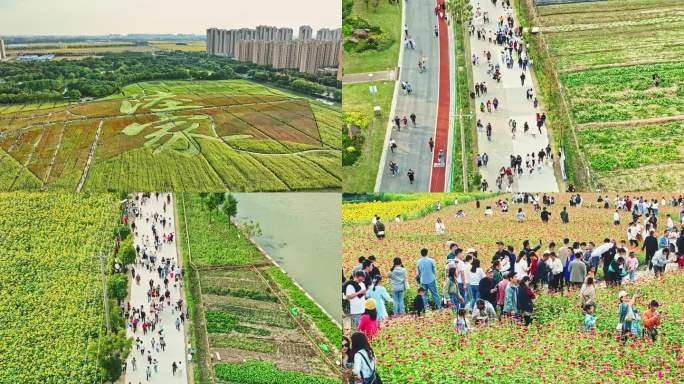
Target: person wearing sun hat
[
  {"x": 626, "y": 313},
  {"x": 369, "y": 322}
]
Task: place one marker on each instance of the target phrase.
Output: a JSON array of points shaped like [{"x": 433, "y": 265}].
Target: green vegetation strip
[
  {"x": 262, "y": 372},
  {"x": 247, "y": 343},
  {"x": 215, "y": 241},
  {"x": 201, "y": 362},
  {"x": 249, "y": 315},
  {"x": 223, "y": 322},
  {"x": 239, "y": 292},
  {"x": 360, "y": 171},
  {"x": 299, "y": 299}
]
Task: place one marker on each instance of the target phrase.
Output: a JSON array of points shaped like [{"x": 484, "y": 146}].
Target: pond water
[{"x": 302, "y": 233}]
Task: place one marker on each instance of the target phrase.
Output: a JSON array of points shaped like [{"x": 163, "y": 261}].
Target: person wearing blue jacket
[
  {"x": 425, "y": 276},
  {"x": 379, "y": 293}
]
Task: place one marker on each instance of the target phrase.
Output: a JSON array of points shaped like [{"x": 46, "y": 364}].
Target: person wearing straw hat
[{"x": 626, "y": 313}]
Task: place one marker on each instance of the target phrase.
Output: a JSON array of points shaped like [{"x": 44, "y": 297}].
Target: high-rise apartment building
[
  {"x": 3, "y": 53},
  {"x": 267, "y": 45},
  {"x": 329, "y": 34},
  {"x": 305, "y": 32}
]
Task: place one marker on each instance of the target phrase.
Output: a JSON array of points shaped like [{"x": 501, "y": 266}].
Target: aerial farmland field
[
  {"x": 163, "y": 135},
  {"x": 258, "y": 326},
  {"x": 621, "y": 71}
]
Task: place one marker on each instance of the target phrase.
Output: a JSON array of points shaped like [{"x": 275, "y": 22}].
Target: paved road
[
  {"x": 413, "y": 150},
  {"x": 175, "y": 349},
  {"x": 444, "y": 106},
  {"x": 388, "y": 75},
  {"x": 513, "y": 104}
]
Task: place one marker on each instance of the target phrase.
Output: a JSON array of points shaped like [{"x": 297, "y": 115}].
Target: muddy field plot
[
  {"x": 621, "y": 68},
  {"x": 192, "y": 136},
  {"x": 246, "y": 319}
]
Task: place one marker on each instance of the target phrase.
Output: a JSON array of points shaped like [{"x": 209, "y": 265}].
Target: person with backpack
[
  {"x": 450, "y": 289},
  {"x": 399, "y": 284},
  {"x": 355, "y": 292},
  {"x": 379, "y": 229},
  {"x": 364, "y": 360}
]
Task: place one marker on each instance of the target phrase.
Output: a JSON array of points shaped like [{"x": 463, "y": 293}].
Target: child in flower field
[
  {"x": 652, "y": 320},
  {"x": 419, "y": 302},
  {"x": 589, "y": 323},
  {"x": 461, "y": 323},
  {"x": 632, "y": 264}
]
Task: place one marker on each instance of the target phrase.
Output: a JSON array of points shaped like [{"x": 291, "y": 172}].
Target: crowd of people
[
  {"x": 159, "y": 314},
  {"x": 481, "y": 290},
  {"x": 505, "y": 38}
]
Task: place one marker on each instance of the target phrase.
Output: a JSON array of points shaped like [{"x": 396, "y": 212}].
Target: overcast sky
[{"x": 98, "y": 17}]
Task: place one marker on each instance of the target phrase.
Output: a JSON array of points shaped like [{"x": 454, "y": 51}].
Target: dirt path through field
[
  {"x": 632, "y": 123},
  {"x": 90, "y": 157}
]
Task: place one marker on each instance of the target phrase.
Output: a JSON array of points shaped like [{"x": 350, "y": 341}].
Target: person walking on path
[
  {"x": 431, "y": 144},
  {"x": 522, "y": 79},
  {"x": 411, "y": 175},
  {"x": 413, "y": 119},
  {"x": 436, "y": 31}
]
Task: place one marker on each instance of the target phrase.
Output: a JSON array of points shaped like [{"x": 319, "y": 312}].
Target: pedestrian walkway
[
  {"x": 513, "y": 104},
  {"x": 174, "y": 337},
  {"x": 412, "y": 149},
  {"x": 353, "y": 78}
]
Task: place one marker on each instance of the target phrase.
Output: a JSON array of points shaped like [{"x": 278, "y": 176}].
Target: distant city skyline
[{"x": 103, "y": 17}]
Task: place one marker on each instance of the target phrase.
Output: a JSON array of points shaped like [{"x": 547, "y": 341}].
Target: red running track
[{"x": 443, "y": 104}]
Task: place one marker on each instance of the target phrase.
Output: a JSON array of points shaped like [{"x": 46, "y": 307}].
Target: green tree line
[{"x": 27, "y": 81}]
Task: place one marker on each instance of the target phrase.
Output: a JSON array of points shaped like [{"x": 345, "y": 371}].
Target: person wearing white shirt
[
  {"x": 364, "y": 360},
  {"x": 475, "y": 274},
  {"x": 556, "y": 267},
  {"x": 521, "y": 268},
  {"x": 670, "y": 223},
  {"x": 439, "y": 226},
  {"x": 461, "y": 278},
  {"x": 616, "y": 217},
  {"x": 357, "y": 298}
]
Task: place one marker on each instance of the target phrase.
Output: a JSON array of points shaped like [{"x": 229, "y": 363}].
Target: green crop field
[
  {"x": 247, "y": 305},
  {"x": 174, "y": 135},
  {"x": 51, "y": 291},
  {"x": 605, "y": 54}
]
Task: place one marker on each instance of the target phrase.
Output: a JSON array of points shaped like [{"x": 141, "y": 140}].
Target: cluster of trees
[
  {"x": 22, "y": 82},
  {"x": 216, "y": 201}
]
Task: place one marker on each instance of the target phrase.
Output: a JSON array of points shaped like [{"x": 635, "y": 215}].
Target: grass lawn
[
  {"x": 388, "y": 17},
  {"x": 361, "y": 176}
]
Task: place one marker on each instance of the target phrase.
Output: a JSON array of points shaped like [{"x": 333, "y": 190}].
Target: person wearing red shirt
[
  {"x": 369, "y": 323},
  {"x": 652, "y": 320}
]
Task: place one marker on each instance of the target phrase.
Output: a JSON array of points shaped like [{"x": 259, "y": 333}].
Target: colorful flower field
[
  {"x": 408, "y": 206},
  {"x": 429, "y": 350},
  {"x": 405, "y": 239}
]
